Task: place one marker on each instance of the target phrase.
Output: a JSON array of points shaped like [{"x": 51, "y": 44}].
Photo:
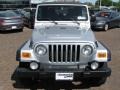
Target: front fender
[{"x": 25, "y": 48}]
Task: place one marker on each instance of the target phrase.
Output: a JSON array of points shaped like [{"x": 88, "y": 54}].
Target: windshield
[
  {"x": 62, "y": 13},
  {"x": 103, "y": 14},
  {"x": 7, "y": 14}
]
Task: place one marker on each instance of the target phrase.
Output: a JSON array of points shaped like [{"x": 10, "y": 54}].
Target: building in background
[
  {"x": 13, "y": 4},
  {"x": 41, "y": 1},
  {"x": 33, "y": 3}
]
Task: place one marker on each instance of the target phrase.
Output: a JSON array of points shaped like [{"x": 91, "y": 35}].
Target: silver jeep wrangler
[{"x": 62, "y": 46}]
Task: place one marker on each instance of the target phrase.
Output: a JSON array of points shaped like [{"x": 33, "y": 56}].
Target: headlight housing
[
  {"x": 87, "y": 50},
  {"x": 40, "y": 50}
]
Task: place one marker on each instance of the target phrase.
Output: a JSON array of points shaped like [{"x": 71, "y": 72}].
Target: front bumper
[
  {"x": 97, "y": 26},
  {"x": 78, "y": 74},
  {"x": 11, "y": 27}
]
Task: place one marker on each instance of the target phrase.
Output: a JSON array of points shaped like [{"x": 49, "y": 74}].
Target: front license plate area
[
  {"x": 14, "y": 27},
  {"x": 64, "y": 76}
]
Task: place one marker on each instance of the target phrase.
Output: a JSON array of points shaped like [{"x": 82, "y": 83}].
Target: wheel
[
  {"x": 119, "y": 25},
  {"x": 20, "y": 30},
  {"x": 106, "y": 27},
  {"x": 29, "y": 25}
]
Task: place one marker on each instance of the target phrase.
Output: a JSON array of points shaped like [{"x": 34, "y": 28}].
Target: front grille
[{"x": 64, "y": 53}]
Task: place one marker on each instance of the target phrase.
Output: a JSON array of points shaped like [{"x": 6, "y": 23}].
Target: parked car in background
[
  {"x": 103, "y": 20},
  {"x": 32, "y": 16},
  {"x": 22, "y": 11},
  {"x": 26, "y": 18},
  {"x": 9, "y": 20},
  {"x": 19, "y": 13},
  {"x": 93, "y": 12},
  {"x": 29, "y": 18}
]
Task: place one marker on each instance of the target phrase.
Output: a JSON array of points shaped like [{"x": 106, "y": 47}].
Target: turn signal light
[
  {"x": 26, "y": 55},
  {"x": 102, "y": 55}
]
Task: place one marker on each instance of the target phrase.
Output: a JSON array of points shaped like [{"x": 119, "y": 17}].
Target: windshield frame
[{"x": 66, "y": 5}]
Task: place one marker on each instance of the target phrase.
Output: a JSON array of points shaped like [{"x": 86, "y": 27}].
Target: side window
[
  {"x": 113, "y": 15},
  {"x": 117, "y": 14}
]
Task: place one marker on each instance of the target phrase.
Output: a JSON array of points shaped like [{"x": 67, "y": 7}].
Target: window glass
[
  {"x": 103, "y": 14},
  {"x": 62, "y": 13},
  {"x": 7, "y": 14}
]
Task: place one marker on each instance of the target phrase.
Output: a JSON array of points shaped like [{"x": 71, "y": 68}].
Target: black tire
[
  {"x": 118, "y": 25},
  {"x": 106, "y": 27},
  {"x": 20, "y": 30},
  {"x": 29, "y": 25}
]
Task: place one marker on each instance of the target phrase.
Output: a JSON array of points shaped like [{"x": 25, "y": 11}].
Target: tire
[
  {"x": 118, "y": 25},
  {"x": 106, "y": 27},
  {"x": 29, "y": 25},
  {"x": 20, "y": 30}
]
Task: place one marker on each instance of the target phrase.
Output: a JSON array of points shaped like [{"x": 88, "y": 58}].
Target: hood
[{"x": 62, "y": 34}]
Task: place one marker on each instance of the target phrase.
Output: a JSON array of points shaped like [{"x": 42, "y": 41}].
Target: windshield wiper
[
  {"x": 52, "y": 21},
  {"x": 75, "y": 21},
  {"x": 46, "y": 19}
]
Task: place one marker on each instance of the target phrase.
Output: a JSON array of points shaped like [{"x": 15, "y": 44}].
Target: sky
[{"x": 93, "y": 1}]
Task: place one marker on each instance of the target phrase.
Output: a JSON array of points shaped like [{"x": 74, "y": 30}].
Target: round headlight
[
  {"x": 40, "y": 50},
  {"x": 34, "y": 65},
  {"x": 87, "y": 50}
]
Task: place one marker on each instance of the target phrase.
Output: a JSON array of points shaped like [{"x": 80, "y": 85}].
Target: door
[{"x": 114, "y": 19}]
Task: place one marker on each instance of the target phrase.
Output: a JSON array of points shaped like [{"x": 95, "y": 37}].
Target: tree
[
  {"x": 118, "y": 4},
  {"x": 89, "y": 3},
  {"x": 104, "y": 2}
]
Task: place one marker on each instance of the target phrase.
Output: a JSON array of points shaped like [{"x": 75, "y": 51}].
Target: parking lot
[{"x": 11, "y": 41}]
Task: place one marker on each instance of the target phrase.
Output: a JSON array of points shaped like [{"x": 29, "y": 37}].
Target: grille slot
[{"x": 64, "y": 53}]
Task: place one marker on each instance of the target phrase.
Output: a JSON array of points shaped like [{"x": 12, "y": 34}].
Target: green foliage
[
  {"x": 89, "y": 3},
  {"x": 118, "y": 5},
  {"x": 108, "y": 3},
  {"x": 104, "y": 2}
]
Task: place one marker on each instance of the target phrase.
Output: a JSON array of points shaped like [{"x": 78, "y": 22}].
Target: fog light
[
  {"x": 94, "y": 65},
  {"x": 34, "y": 66}
]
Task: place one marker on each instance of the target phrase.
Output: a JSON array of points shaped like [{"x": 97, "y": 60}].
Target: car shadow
[
  {"x": 10, "y": 31},
  {"x": 101, "y": 30},
  {"x": 50, "y": 84},
  {"x": 98, "y": 30}
]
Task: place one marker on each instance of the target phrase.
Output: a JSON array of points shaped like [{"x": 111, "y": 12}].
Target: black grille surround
[{"x": 64, "y": 53}]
